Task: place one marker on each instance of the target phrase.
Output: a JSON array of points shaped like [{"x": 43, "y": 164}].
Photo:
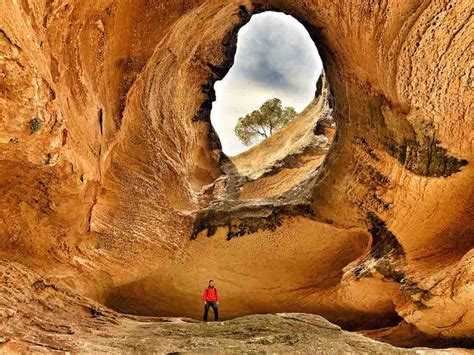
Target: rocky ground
[
  {"x": 39, "y": 316},
  {"x": 278, "y": 333}
]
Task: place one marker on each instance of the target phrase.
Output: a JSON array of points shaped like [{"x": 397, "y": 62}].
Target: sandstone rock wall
[{"x": 107, "y": 157}]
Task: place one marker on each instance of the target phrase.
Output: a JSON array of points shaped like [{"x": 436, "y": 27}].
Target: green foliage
[
  {"x": 262, "y": 123},
  {"x": 35, "y": 125}
]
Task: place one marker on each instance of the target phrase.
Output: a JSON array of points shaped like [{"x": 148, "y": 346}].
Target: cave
[{"x": 118, "y": 204}]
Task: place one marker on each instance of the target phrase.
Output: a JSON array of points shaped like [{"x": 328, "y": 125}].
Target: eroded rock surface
[
  {"x": 109, "y": 163},
  {"x": 48, "y": 318}
]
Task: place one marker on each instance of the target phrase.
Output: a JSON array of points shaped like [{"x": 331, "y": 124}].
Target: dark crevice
[
  {"x": 362, "y": 142},
  {"x": 229, "y": 44},
  {"x": 384, "y": 242},
  {"x": 129, "y": 68},
  {"x": 101, "y": 122},
  {"x": 383, "y": 320},
  {"x": 247, "y": 219},
  {"x": 319, "y": 85},
  {"x": 426, "y": 158},
  {"x": 213, "y": 139},
  {"x": 326, "y": 120},
  {"x": 387, "y": 257},
  {"x": 64, "y": 137},
  {"x": 420, "y": 154},
  {"x": 8, "y": 39}
]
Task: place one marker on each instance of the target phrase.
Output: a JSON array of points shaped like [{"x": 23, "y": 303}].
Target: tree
[{"x": 262, "y": 123}]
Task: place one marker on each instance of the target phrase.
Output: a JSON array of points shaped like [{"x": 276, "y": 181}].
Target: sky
[{"x": 275, "y": 58}]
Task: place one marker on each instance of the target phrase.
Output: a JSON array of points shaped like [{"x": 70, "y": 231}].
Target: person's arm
[{"x": 204, "y": 296}]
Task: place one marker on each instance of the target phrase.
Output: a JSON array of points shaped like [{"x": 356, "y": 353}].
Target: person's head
[{"x": 211, "y": 283}]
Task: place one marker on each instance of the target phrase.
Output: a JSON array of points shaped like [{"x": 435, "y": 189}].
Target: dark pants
[{"x": 212, "y": 304}]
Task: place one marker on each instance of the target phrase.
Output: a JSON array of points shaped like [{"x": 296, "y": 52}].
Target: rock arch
[{"x": 103, "y": 197}]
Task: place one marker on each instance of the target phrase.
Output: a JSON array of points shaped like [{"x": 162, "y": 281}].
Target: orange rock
[{"x": 109, "y": 166}]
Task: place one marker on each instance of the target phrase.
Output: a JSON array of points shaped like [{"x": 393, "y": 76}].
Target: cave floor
[
  {"x": 275, "y": 333},
  {"x": 37, "y": 316}
]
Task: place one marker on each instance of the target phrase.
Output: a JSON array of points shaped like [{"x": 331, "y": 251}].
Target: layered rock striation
[{"x": 114, "y": 187}]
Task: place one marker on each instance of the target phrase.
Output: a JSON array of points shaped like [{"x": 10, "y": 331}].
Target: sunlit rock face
[{"x": 113, "y": 183}]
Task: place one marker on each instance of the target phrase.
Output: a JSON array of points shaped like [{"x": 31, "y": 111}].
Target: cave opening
[{"x": 276, "y": 75}]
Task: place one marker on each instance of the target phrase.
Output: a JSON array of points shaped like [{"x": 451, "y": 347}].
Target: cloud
[{"x": 275, "y": 58}]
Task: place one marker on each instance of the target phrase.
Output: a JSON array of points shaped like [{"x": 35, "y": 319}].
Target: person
[{"x": 210, "y": 297}]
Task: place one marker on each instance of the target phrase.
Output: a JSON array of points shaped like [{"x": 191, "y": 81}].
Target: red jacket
[{"x": 210, "y": 294}]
